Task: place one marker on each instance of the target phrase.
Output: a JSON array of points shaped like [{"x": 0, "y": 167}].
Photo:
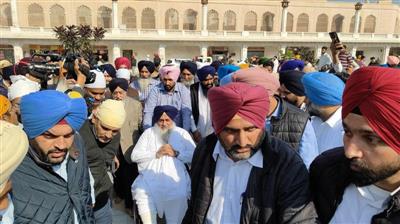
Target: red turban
[
  {"x": 258, "y": 76},
  {"x": 122, "y": 61},
  {"x": 376, "y": 92},
  {"x": 248, "y": 101}
]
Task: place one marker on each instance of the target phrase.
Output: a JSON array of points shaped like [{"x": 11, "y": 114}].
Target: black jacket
[
  {"x": 329, "y": 177},
  {"x": 277, "y": 193},
  {"x": 194, "y": 98}
]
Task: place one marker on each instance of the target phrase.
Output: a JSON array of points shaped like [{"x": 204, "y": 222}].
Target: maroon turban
[
  {"x": 122, "y": 61},
  {"x": 258, "y": 76},
  {"x": 248, "y": 101},
  {"x": 376, "y": 92}
]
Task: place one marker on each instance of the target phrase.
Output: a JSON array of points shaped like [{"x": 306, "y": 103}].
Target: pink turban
[
  {"x": 393, "y": 60},
  {"x": 248, "y": 101},
  {"x": 375, "y": 91},
  {"x": 259, "y": 77},
  {"x": 170, "y": 71},
  {"x": 122, "y": 61}
]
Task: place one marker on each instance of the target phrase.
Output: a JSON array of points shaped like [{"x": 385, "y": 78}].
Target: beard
[
  {"x": 233, "y": 153},
  {"x": 54, "y": 161},
  {"x": 144, "y": 83},
  {"x": 313, "y": 110},
  {"x": 187, "y": 83},
  {"x": 163, "y": 133},
  {"x": 366, "y": 176}
]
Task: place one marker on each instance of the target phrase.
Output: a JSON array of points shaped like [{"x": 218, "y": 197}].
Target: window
[
  {"x": 212, "y": 20},
  {"x": 302, "y": 23},
  {"x": 230, "y": 21},
  {"x": 250, "y": 21},
  {"x": 268, "y": 22},
  {"x": 337, "y": 23},
  {"x": 148, "y": 19},
  {"x": 322, "y": 23},
  {"x": 35, "y": 15},
  {"x": 5, "y": 15},
  {"x": 190, "y": 20},
  {"x": 370, "y": 23},
  {"x": 171, "y": 19},
  {"x": 84, "y": 16},
  {"x": 129, "y": 18},
  {"x": 104, "y": 17},
  {"x": 57, "y": 16},
  {"x": 289, "y": 23}
]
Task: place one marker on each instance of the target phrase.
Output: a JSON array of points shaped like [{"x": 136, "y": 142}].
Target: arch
[
  {"x": 148, "y": 19},
  {"x": 171, "y": 19},
  {"x": 104, "y": 17},
  {"x": 129, "y": 18},
  {"x": 57, "y": 15},
  {"x": 190, "y": 20},
  {"x": 5, "y": 15},
  {"x": 337, "y": 23},
  {"x": 229, "y": 20},
  {"x": 84, "y": 15},
  {"x": 35, "y": 15},
  {"x": 322, "y": 23},
  {"x": 302, "y": 23},
  {"x": 212, "y": 20},
  {"x": 370, "y": 23},
  {"x": 268, "y": 22},
  {"x": 289, "y": 22},
  {"x": 250, "y": 21}
]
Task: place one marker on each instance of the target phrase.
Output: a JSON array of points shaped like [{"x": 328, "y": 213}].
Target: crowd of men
[{"x": 265, "y": 142}]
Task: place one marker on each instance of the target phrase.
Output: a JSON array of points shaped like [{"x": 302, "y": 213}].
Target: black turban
[
  {"x": 191, "y": 66},
  {"x": 118, "y": 82},
  {"x": 109, "y": 68},
  {"x": 292, "y": 81},
  {"x": 159, "y": 110},
  {"x": 205, "y": 71},
  {"x": 148, "y": 64}
]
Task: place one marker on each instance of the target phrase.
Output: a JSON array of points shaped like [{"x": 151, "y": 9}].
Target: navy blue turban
[
  {"x": 216, "y": 64},
  {"x": 323, "y": 89},
  {"x": 226, "y": 70},
  {"x": 292, "y": 81},
  {"x": 191, "y": 66},
  {"x": 109, "y": 68},
  {"x": 148, "y": 64},
  {"x": 292, "y": 65},
  {"x": 159, "y": 110},
  {"x": 205, "y": 71},
  {"x": 118, "y": 82},
  {"x": 42, "y": 110}
]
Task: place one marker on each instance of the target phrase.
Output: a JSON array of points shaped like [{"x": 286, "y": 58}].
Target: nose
[
  {"x": 60, "y": 143},
  {"x": 351, "y": 147},
  {"x": 242, "y": 139}
]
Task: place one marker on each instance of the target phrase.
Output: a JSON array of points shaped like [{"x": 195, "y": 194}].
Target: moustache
[{"x": 57, "y": 150}]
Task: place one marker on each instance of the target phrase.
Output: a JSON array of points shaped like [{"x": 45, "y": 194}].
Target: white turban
[
  {"x": 13, "y": 148},
  {"x": 21, "y": 88},
  {"x": 124, "y": 74},
  {"x": 111, "y": 113},
  {"x": 100, "y": 81}
]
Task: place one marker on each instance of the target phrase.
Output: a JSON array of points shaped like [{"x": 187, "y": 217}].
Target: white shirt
[
  {"x": 7, "y": 215},
  {"x": 325, "y": 59},
  {"x": 204, "y": 124},
  {"x": 329, "y": 133},
  {"x": 230, "y": 183},
  {"x": 360, "y": 204}
]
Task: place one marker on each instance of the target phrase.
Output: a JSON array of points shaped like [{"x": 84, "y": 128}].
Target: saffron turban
[
  {"x": 323, "y": 89},
  {"x": 40, "y": 111},
  {"x": 118, "y": 82},
  {"x": 170, "y": 71},
  {"x": 226, "y": 69},
  {"x": 109, "y": 69},
  {"x": 292, "y": 65},
  {"x": 21, "y": 88},
  {"x": 375, "y": 91},
  {"x": 393, "y": 60},
  {"x": 99, "y": 82},
  {"x": 190, "y": 66},
  {"x": 171, "y": 111},
  {"x": 248, "y": 101},
  {"x": 205, "y": 71},
  {"x": 259, "y": 77},
  {"x": 111, "y": 113},
  {"x": 124, "y": 74},
  {"x": 148, "y": 64},
  {"x": 13, "y": 148},
  {"x": 4, "y": 105},
  {"x": 292, "y": 81},
  {"x": 122, "y": 61}
]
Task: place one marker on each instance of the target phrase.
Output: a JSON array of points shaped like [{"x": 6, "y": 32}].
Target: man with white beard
[
  {"x": 188, "y": 73},
  {"x": 161, "y": 154},
  {"x": 142, "y": 86}
]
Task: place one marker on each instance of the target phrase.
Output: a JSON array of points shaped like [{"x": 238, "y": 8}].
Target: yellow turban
[
  {"x": 13, "y": 148},
  {"x": 4, "y": 105},
  {"x": 111, "y": 113}
]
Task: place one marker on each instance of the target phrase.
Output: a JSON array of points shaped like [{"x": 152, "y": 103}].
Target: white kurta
[
  {"x": 329, "y": 133},
  {"x": 204, "y": 124},
  {"x": 164, "y": 178}
]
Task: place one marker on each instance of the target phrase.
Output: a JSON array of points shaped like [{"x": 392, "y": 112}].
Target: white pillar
[
  {"x": 161, "y": 53},
  {"x": 116, "y": 51},
  {"x": 14, "y": 13},
  {"x": 318, "y": 51},
  {"x": 284, "y": 19},
  {"x": 18, "y": 53},
  {"x": 354, "y": 51},
  {"x": 204, "y": 17},
  {"x": 243, "y": 53},
  {"x": 385, "y": 54},
  {"x": 204, "y": 51},
  {"x": 357, "y": 21},
  {"x": 114, "y": 14}
]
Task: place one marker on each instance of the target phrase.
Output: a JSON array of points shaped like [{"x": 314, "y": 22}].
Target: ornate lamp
[
  {"x": 285, "y": 3},
  {"x": 358, "y": 6}
]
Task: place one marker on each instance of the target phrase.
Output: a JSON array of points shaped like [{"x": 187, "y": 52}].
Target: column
[
  {"x": 161, "y": 53},
  {"x": 358, "y": 8},
  {"x": 116, "y": 52},
  {"x": 243, "y": 53},
  {"x": 354, "y": 51},
  {"x": 285, "y": 5},
  {"x": 18, "y": 52},
  {"x": 204, "y": 51},
  {"x": 317, "y": 51},
  {"x": 115, "y": 14},
  {"x": 385, "y": 54},
  {"x": 14, "y": 13},
  {"x": 204, "y": 17}
]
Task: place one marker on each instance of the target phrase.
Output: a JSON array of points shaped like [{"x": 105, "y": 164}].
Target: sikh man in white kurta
[{"x": 163, "y": 185}]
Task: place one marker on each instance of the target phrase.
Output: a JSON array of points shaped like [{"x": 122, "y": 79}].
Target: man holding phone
[{"x": 342, "y": 60}]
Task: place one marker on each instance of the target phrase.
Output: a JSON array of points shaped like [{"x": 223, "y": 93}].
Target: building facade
[{"x": 189, "y": 28}]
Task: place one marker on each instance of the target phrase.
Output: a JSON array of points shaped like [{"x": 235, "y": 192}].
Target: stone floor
[{"x": 120, "y": 216}]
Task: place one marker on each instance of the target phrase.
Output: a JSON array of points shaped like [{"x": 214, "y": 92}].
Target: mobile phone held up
[{"x": 335, "y": 38}]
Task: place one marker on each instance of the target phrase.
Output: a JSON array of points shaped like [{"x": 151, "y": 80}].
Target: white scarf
[{"x": 204, "y": 124}]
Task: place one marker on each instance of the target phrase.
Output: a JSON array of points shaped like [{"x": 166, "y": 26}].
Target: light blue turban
[
  {"x": 323, "y": 89},
  {"x": 40, "y": 111},
  {"x": 226, "y": 69}
]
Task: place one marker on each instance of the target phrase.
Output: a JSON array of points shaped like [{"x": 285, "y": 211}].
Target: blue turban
[
  {"x": 118, "y": 82},
  {"x": 323, "y": 89},
  {"x": 192, "y": 67},
  {"x": 292, "y": 65},
  {"x": 159, "y": 110},
  {"x": 205, "y": 71},
  {"x": 226, "y": 69},
  {"x": 109, "y": 68},
  {"x": 42, "y": 110},
  {"x": 226, "y": 79}
]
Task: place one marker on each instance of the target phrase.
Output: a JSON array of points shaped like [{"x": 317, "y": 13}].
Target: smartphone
[{"x": 335, "y": 38}]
